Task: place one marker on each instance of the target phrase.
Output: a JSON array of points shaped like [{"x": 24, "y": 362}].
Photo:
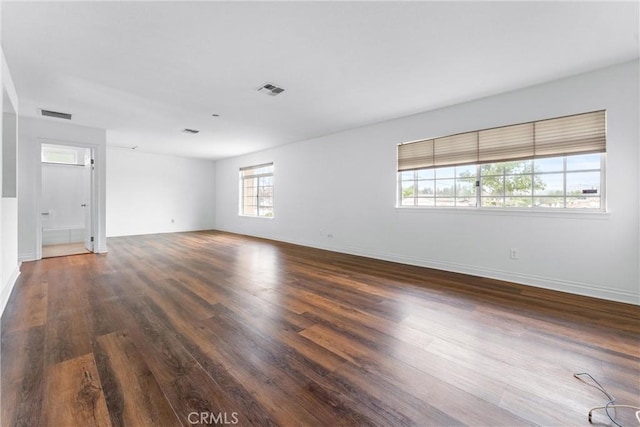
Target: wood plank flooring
[{"x": 209, "y": 328}]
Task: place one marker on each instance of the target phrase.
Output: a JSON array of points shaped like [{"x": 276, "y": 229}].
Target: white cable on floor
[{"x": 610, "y": 403}]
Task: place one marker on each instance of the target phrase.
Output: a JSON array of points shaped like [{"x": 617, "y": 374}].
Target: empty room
[{"x": 320, "y": 213}]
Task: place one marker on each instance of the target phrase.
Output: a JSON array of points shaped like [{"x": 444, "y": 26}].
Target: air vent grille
[
  {"x": 56, "y": 114},
  {"x": 270, "y": 89}
]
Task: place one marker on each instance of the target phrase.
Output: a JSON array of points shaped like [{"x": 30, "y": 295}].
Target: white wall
[
  {"x": 34, "y": 132},
  {"x": 9, "y": 266},
  {"x": 151, "y": 193},
  {"x": 9, "y": 149},
  {"x": 345, "y": 185}
]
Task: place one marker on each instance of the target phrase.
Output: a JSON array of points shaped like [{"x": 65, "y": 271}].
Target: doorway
[{"x": 66, "y": 200}]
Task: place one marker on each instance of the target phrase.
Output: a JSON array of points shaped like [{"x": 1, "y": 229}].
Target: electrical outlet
[{"x": 513, "y": 253}]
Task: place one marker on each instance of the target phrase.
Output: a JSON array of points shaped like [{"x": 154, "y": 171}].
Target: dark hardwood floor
[{"x": 167, "y": 327}]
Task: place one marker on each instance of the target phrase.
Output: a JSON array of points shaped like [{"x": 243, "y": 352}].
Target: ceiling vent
[
  {"x": 192, "y": 131},
  {"x": 56, "y": 114},
  {"x": 272, "y": 90}
]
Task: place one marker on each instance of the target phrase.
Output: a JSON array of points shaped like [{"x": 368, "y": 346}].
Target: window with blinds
[
  {"x": 256, "y": 190},
  {"x": 553, "y": 163}
]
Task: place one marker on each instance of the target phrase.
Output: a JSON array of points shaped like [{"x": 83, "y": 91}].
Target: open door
[
  {"x": 66, "y": 200},
  {"x": 87, "y": 204}
]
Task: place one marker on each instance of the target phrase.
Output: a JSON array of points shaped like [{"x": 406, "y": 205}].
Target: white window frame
[
  {"x": 242, "y": 179},
  {"x": 53, "y": 150},
  {"x": 532, "y": 208}
]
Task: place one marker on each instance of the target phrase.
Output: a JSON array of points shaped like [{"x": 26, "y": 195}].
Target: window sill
[
  {"x": 255, "y": 216},
  {"x": 538, "y": 213}
]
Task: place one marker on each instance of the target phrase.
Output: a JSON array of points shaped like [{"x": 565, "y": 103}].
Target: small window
[
  {"x": 256, "y": 190},
  {"x": 53, "y": 154}
]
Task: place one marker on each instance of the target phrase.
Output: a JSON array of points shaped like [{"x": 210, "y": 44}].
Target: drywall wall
[
  {"x": 151, "y": 193},
  {"x": 33, "y": 133},
  {"x": 339, "y": 192},
  {"x": 9, "y": 236},
  {"x": 9, "y": 149},
  {"x": 9, "y": 266}
]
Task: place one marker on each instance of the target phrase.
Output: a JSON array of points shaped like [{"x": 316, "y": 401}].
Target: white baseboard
[
  {"x": 7, "y": 288},
  {"x": 26, "y": 256},
  {"x": 522, "y": 279}
]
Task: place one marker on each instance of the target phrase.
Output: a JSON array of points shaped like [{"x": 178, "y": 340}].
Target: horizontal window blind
[
  {"x": 506, "y": 143},
  {"x": 576, "y": 134},
  {"x": 416, "y": 155},
  {"x": 457, "y": 149},
  {"x": 583, "y": 133}
]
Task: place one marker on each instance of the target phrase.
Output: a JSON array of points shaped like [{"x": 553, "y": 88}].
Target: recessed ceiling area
[{"x": 145, "y": 71}]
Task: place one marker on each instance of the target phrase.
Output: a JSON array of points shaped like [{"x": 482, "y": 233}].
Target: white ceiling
[{"x": 146, "y": 70}]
